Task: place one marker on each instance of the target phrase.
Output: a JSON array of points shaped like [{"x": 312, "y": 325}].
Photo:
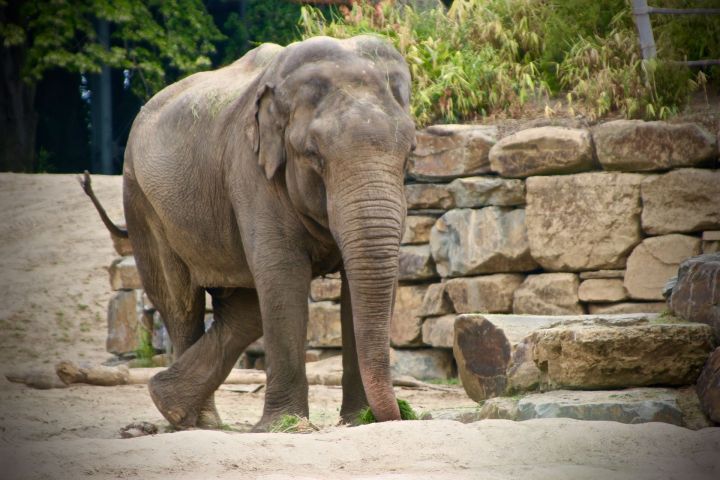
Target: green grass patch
[
  {"x": 406, "y": 413},
  {"x": 293, "y": 424},
  {"x": 444, "y": 381}
]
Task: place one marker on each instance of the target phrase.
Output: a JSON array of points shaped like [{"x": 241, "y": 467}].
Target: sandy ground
[{"x": 54, "y": 254}]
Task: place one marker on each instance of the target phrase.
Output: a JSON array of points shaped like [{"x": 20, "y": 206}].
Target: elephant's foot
[
  {"x": 350, "y": 414},
  {"x": 176, "y": 408}
]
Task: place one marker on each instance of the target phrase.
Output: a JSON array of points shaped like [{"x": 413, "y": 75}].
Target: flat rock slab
[
  {"x": 484, "y": 293},
  {"x": 323, "y": 328},
  {"x": 636, "y": 405},
  {"x": 683, "y": 200},
  {"x": 626, "y": 307},
  {"x": 406, "y": 323},
  {"x": 428, "y": 196},
  {"x": 124, "y": 312},
  {"x": 602, "y": 290},
  {"x": 325, "y": 288},
  {"x": 696, "y": 295},
  {"x": 587, "y": 221},
  {"x": 634, "y": 145},
  {"x": 449, "y": 151},
  {"x": 597, "y": 357},
  {"x": 542, "y": 151}
]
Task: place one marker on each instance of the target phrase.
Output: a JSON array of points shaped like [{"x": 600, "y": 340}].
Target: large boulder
[
  {"x": 449, "y": 151},
  {"x": 654, "y": 261},
  {"x": 483, "y": 294},
  {"x": 696, "y": 295},
  {"x": 711, "y": 242},
  {"x": 683, "y": 200},
  {"x": 708, "y": 387},
  {"x": 473, "y": 192},
  {"x": 489, "y": 240},
  {"x": 548, "y": 294},
  {"x": 406, "y": 324},
  {"x": 542, "y": 151},
  {"x": 494, "y": 353},
  {"x": 324, "y": 328},
  {"x": 597, "y": 357},
  {"x": 428, "y": 196},
  {"x": 416, "y": 263},
  {"x": 417, "y": 229},
  {"x": 634, "y": 145},
  {"x": 587, "y": 221}
]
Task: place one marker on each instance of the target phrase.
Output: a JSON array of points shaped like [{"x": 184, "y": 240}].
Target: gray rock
[
  {"x": 416, "y": 263},
  {"x": 421, "y": 363},
  {"x": 483, "y": 294},
  {"x": 436, "y": 301},
  {"x": 489, "y": 240},
  {"x": 323, "y": 288},
  {"x": 602, "y": 290},
  {"x": 439, "y": 331},
  {"x": 587, "y": 221},
  {"x": 473, "y": 192},
  {"x": 124, "y": 311},
  {"x": 324, "y": 325},
  {"x": 448, "y": 151},
  {"x": 423, "y": 196},
  {"x": 636, "y": 405},
  {"x": 406, "y": 323},
  {"x": 548, "y": 294},
  {"x": 634, "y": 145},
  {"x": 124, "y": 274},
  {"x": 696, "y": 296},
  {"x": 626, "y": 307},
  {"x": 683, "y": 200},
  {"x": 417, "y": 229},
  {"x": 652, "y": 263},
  {"x": 542, "y": 151},
  {"x": 602, "y": 274},
  {"x": 711, "y": 242}
]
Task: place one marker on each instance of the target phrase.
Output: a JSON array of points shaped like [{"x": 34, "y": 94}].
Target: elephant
[{"x": 247, "y": 182}]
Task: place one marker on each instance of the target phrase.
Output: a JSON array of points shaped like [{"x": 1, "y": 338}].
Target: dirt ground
[{"x": 54, "y": 290}]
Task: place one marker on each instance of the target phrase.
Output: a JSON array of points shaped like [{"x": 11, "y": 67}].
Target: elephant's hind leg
[
  {"x": 204, "y": 366},
  {"x": 181, "y": 303}
]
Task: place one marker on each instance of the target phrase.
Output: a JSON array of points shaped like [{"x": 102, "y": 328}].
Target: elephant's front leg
[{"x": 283, "y": 287}]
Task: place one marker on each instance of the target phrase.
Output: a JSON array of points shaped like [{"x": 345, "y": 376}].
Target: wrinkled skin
[{"x": 247, "y": 182}]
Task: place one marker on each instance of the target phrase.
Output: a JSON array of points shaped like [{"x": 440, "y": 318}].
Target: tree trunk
[{"x": 18, "y": 119}]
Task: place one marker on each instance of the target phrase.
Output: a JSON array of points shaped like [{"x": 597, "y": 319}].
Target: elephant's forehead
[{"x": 363, "y": 47}]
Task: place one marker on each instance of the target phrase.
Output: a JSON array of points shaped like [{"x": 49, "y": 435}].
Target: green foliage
[
  {"x": 264, "y": 21},
  {"x": 145, "y": 351},
  {"x": 366, "y": 415},
  {"x": 483, "y": 57},
  {"x": 158, "y": 40}
]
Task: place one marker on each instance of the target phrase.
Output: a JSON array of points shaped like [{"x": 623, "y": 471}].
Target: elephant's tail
[{"x": 86, "y": 185}]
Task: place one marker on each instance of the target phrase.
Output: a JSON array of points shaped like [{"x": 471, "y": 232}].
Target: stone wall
[{"x": 547, "y": 220}]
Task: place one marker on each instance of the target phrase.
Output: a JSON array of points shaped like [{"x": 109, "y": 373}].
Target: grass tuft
[
  {"x": 406, "y": 413},
  {"x": 293, "y": 424}
]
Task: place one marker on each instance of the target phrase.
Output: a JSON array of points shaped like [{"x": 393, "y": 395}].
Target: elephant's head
[{"x": 335, "y": 115}]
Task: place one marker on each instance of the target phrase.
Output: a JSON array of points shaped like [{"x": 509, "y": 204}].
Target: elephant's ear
[{"x": 266, "y": 131}]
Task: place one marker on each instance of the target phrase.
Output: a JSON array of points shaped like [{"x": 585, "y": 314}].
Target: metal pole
[{"x": 641, "y": 14}]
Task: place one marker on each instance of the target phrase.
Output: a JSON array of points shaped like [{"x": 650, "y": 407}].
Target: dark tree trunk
[{"x": 17, "y": 114}]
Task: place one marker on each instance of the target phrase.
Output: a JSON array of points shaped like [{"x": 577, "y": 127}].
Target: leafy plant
[
  {"x": 406, "y": 413},
  {"x": 488, "y": 57},
  {"x": 293, "y": 424}
]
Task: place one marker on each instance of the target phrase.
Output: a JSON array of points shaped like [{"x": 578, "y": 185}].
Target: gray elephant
[{"x": 247, "y": 182}]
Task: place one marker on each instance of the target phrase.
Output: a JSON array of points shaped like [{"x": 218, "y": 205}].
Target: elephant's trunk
[{"x": 366, "y": 217}]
